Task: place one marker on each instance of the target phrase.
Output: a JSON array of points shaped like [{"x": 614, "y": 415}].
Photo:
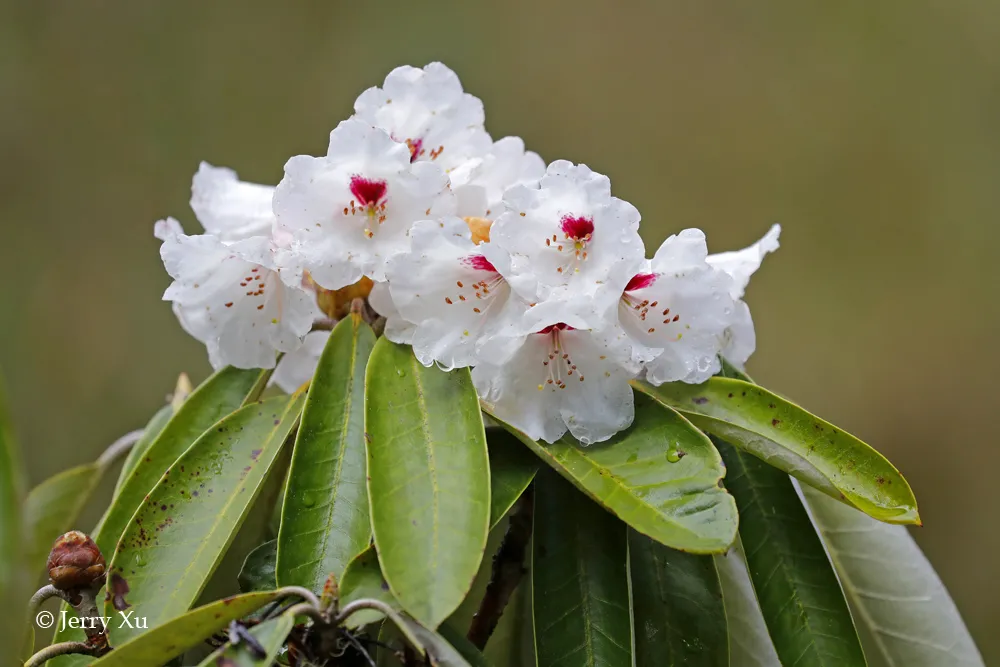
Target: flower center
[
  {"x": 479, "y": 294},
  {"x": 644, "y": 308},
  {"x": 416, "y": 148},
  {"x": 578, "y": 231},
  {"x": 369, "y": 200},
  {"x": 557, "y": 364}
]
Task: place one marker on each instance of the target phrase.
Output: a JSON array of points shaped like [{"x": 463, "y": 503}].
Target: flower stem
[{"x": 56, "y": 650}]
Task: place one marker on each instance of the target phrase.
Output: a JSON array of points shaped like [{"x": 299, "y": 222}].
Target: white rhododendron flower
[
  {"x": 229, "y": 208},
  {"x": 571, "y": 246},
  {"x": 481, "y": 256},
  {"x": 562, "y": 379},
  {"x": 455, "y": 297},
  {"x": 427, "y": 110},
  {"x": 296, "y": 368},
  {"x": 351, "y": 210},
  {"x": 230, "y": 298},
  {"x": 480, "y": 183}
]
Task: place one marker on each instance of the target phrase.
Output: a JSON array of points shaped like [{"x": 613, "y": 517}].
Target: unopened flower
[
  {"x": 563, "y": 378},
  {"x": 427, "y": 110},
  {"x": 452, "y": 293},
  {"x": 571, "y": 246},
  {"x": 229, "y": 296},
  {"x": 346, "y": 213},
  {"x": 75, "y": 562},
  {"x": 229, "y": 208}
]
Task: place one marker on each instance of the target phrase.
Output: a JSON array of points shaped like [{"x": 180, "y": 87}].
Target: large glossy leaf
[
  {"x": 179, "y": 534},
  {"x": 13, "y": 577},
  {"x": 428, "y": 480},
  {"x": 217, "y": 397},
  {"x": 749, "y": 642},
  {"x": 270, "y": 635},
  {"x": 257, "y": 573},
  {"x": 799, "y": 594},
  {"x": 786, "y": 436},
  {"x": 580, "y": 580},
  {"x": 161, "y": 644},
  {"x": 661, "y": 476},
  {"x": 363, "y": 579},
  {"x": 678, "y": 614},
  {"x": 149, "y": 434},
  {"x": 899, "y": 595},
  {"x": 512, "y": 467},
  {"x": 324, "y": 521}
]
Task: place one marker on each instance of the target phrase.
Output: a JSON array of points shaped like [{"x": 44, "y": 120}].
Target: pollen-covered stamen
[
  {"x": 577, "y": 234},
  {"x": 416, "y": 147},
  {"x": 478, "y": 292},
  {"x": 643, "y": 308},
  {"x": 559, "y": 367},
  {"x": 370, "y": 201}
]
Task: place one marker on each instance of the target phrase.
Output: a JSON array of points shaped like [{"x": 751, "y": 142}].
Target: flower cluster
[{"x": 475, "y": 252}]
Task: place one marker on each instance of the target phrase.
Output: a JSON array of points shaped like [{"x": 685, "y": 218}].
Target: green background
[{"x": 869, "y": 128}]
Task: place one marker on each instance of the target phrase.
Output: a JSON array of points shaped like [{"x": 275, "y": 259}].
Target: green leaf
[
  {"x": 512, "y": 467},
  {"x": 363, "y": 579},
  {"x": 160, "y": 644},
  {"x": 749, "y": 642},
  {"x": 179, "y": 534},
  {"x": 217, "y": 397},
  {"x": 799, "y": 594},
  {"x": 677, "y": 608},
  {"x": 324, "y": 520},
  {"x": 579, "y": 576},
  {"x": 257, "y": 573},
  {"x": 270, "y": 635},
  {"x": 13, "y": 578},
  {"x": 439, "y": 653},
  {"x": 52, "y": 508},
  {"x": 661, "y": 476},
  {"x": 428, "y": 480},
  {"x": 895, "y": 589},
  {"x": 789, "y": 438},
  {"x": 138, "y": 451}
]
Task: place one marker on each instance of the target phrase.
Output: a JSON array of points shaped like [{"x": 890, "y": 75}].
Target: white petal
[
  {"x": 480, "y": 183},
  {"x": 741, "y": 264},
  {"x": 348, "y": 212},
  {"x": 228, "y": 207},
  {"x": 397, "y": 329},
  {"x": 739, "y": 340},
  {"x": 428, "y": 110},
  {"x": 298, "y": 367},
  {"x": 229, "y": 297},
  {"x": 572, "y": 247},
  {"x": 562, "y": 379},
  {"x": 451, "y": 292}
]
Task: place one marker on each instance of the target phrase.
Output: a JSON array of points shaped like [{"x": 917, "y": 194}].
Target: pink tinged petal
[
  {"x": 640, "y": 281},
  {"x": 369, "y": 192},
  {"x": 479, "y": 263},
  {"x": 578, "y": 228}
]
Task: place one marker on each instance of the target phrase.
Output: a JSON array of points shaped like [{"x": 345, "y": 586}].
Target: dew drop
[
  {"x": 308, "y": 501},
  {"x": 673, "y": 455},
  {"x": 140, "y": 560},
  {"x": 400, "y": 372}
]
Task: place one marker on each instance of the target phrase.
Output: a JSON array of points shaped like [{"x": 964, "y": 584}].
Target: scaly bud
[{"x": 75, "y": 562}]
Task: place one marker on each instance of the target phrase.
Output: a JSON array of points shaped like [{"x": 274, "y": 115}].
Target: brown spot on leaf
[
  {"x": 775, "y": 422},
  {"x": 699, "y": 400},
  {"x": 117, "y": 589}
]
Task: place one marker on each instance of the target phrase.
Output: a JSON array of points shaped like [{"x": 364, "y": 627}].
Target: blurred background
[{"x": 870, "y": 130}]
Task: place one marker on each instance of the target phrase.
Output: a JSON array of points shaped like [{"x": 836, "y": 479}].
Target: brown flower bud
[{"x": 75, "y": 562}]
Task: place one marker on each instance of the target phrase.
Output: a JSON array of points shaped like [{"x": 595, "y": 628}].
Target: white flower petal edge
[
  {"x": 741, "y": 264},
  {"x": 229, "y": 208},
  {"x": 678, "y": 311},
  {"x": 229, "y": 297},
  {"x": 427, "y": 110},
  {"x": 298, "y": 367},
  {"x": 480, "y": 183},
  {"x": 572, "y": 247},
  {"x": 562, "y": 379},
  {"x": 452, "y": 293},
  {"x": 397, "y": 329},
  {"x": 346, "y": 213}
]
